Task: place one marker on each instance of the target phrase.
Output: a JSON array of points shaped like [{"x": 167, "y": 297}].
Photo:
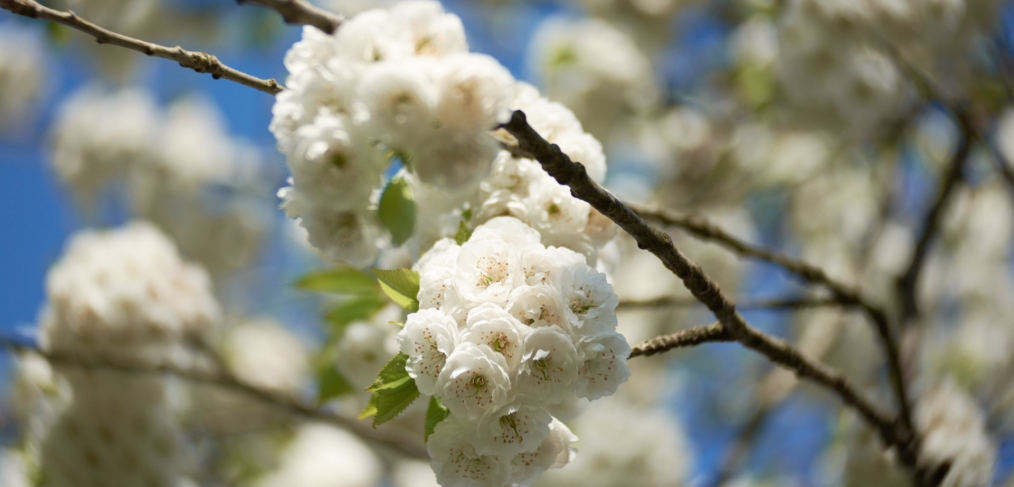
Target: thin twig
[
  {"x": 223, "y": 379},
  {"x": 572, "y": 174},
  {"x": 301, "y": 12},
  {"x": 197, "y": 61},
  {"x": 690, "y": 337},
  {"x": 846, "y": 294},
  {"x": 908, "y": 281},
  {"x": 770, "y": 305}
]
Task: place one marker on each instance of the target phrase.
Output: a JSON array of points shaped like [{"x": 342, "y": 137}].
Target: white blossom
[
  {"x": 604, "y": 367},
  {"x": 458, "y": 464},
  {"x": 489, "y": 324},
  {"x": 550, "y": 366},
  {"x": 474, "y": 381},
  {"x": 511, "y": 430},
  {"x": 428, "y": 338}
]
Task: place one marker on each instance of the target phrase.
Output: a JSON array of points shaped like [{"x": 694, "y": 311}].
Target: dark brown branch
[
  {"x": 572, "y": 174},
  {"x": 301, "y": 12},
  {"x": 690, "y": 337},
  {"x": 197, "y": 61},
  {"x": 909, "y": 280},
  {"x": 225, "y": 380},
  {"x": 771, "y": 305},
  {"x": 846, "y": 294}
]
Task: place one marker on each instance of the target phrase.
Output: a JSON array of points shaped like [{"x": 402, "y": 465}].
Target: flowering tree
[{"x": 481, "y": 275}]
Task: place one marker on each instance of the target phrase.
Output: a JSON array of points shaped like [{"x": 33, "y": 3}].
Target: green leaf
[
  {"x": 435, "y": 413},
  {"x": 393, "y": 391},
  {"x": 397, "y": 210},
  {"x": 401, "y": 285},
  {"x": 389, "y": 403},
  {"x": 463, "y": 233},
  {"x": 332, "y": 384},
  {"x": 370, "y": 409},
  {"x": 392, "y": 375},
  {"x": 344, "y": 280},
  {"x": 353, "y": 309}
]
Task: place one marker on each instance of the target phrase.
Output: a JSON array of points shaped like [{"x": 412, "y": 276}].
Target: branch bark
[
  {"x": 908, "y": 281},
  {"x": 690, "y": 337},
  {"x": 197, "y": 61},
  {"x": 572, "y": 174},
  {"x": 301, "y": 12},
  {"x": 225, "y": 380}
]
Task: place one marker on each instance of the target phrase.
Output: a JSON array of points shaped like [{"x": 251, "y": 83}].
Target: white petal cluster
[
  {"x": 520, "y": 188},
  {"x": 126, "y": 294},
  {"x": 832, "y": 66},
  {"x": 596, "y": 70},
  {"x": 324, "y": 456},
  {"x": 399, "y": 81},
  {"x": 954, "y": 431},
  {"x": 168, "y": 161},
  {"x": 22, "y": 73},
  {"x": 508, "y": 327}
]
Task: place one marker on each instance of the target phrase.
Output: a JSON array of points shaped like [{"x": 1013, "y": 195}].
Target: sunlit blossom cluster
[
  {"x": 508, "y": 327},
  {"x": 397, "y": 83},
  {"x": 518, "y": 187}
]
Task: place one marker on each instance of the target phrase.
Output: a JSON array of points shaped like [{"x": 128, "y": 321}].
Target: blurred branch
[
  {"x": 572, "y": 174},
  {"x": 225, "y": 380},
  {"x": 197, "y": 61},
  {"x": 846, "y": 294},
  {"x": 301, "y": 12},
  {"x": 908, "y": 281},
  {"x": 773, "y": 304},
  {"x": 690, "y": 337}
]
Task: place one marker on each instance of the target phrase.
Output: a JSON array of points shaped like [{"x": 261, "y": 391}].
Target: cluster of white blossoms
[
  {"x": 596, "y": 70},
  {"x": 520, "y": 188},
  {"x": 126, "y": 294},
  {"x": 389, "y": 83},
  {"x": 167, "y": 162},
  {"x": 833, "y": 66},
  {"x": 22, "y": 73},
  {"x": 953, "y": 430},
  {"x": 125, "y": 297},
  {"x": 506, "y": 328}
]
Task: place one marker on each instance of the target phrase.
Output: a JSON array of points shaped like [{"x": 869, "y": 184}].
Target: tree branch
[
  {"x": 572, "y": 174},
  {"x": 225, "y": 380},
  {"x": 690, "y": 337},
  {"x": 301, "y": 12},
  {"x": 908, "y": 281},
  {"x": 846, "y": 294},
  {"x": 771, "y": 305},
  {"x": 197, "y": 61}
]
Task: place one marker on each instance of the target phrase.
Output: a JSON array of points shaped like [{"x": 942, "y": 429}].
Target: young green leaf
[
  {"x": 353, "y": 309},
  {"x": 397, "y": 210},
  {"x": 390, "y": 403},
  {"x": 332, "y": 384},
  {"x": 435, "y": 413},
  {"x": 401, "y": 285},
  {"x": 343, "y": 280},
  {"x": 463, "y": 233},
  {"x": 392, "y": 375}
]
